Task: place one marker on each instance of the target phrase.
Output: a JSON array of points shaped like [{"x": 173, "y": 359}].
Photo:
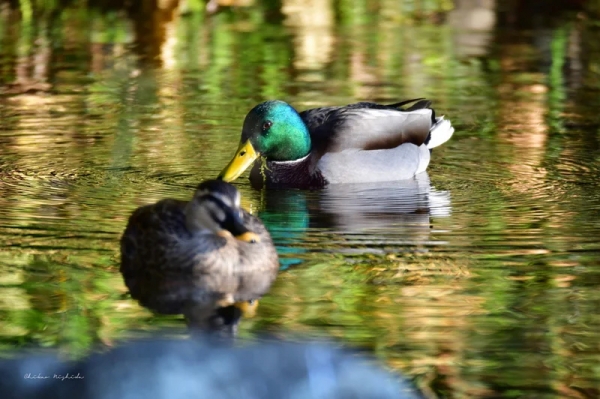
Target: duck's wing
[
  {"x": 153, "y": 231},
  {"x": 150, "y": 229},
  {"x": 369, "y": 126}
]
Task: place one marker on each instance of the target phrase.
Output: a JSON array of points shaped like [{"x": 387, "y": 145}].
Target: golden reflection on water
[
  {"x": 312, "y": 24},
  {"x": 473, "y": 22},
  {"x": 169, "y": 46},
  {"x": 522, "y": 117},
  {"x": 492, "y": 286}
]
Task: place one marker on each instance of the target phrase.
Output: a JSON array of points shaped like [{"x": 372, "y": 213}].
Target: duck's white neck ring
[{"x": 291, "y": 163}]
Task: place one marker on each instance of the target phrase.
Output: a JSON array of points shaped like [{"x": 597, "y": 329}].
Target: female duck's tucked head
[
  {"x": 274, "y": 130},
  {"x": 216, "y": 207}
]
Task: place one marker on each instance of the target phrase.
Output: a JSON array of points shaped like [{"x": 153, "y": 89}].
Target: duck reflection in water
[
  {"x": 206, "y": 258},
  {"x": 355, "y": 218}
]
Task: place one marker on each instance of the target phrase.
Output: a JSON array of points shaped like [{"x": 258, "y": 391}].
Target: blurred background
[{"x": 481, "y": 279}]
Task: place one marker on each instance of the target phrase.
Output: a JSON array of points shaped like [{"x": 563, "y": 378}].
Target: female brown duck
[{"x": 199, "y": 256}]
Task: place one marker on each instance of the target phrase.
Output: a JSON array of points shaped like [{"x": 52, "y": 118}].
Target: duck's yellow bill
[
  {"x": 248, "y": 237},
  {"x": 248, "y": 308},
  {"x": 243, "y": 158}
]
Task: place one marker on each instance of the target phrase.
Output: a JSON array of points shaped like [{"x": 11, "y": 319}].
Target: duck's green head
[{"x": 273, "y": 130}]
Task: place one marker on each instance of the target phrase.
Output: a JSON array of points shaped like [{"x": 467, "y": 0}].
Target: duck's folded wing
[
  {"x": 364, "y": 126},
  {"x": 148, "y": 227},
  {"x": 359, "y": 166}
]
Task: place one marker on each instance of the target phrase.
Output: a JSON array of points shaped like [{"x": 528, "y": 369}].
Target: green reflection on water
[{"x": 482, "y": 283}]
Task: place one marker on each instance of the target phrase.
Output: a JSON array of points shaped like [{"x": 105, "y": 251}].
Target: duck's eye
[{"x": 267, "y": 125}]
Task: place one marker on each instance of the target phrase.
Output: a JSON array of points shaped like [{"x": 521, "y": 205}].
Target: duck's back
[
  {"x": 369, "y": 126},
  {"x": 152, "y": 234},
  {"x": 159, "y": 256},
  {"x": 369, "y": 142}
]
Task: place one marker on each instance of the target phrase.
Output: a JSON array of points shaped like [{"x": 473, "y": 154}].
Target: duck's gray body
[{"x": 358, "y": 143}]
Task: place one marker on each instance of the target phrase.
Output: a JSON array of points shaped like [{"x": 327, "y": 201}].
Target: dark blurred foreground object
[
  {"x": 202, "y": 258},
  {"x": 203, "y": 369}
]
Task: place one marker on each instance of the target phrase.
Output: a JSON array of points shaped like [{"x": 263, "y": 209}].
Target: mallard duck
[
  {"x": 356, "y": 143},
  {"x": 198, "y": 257}
]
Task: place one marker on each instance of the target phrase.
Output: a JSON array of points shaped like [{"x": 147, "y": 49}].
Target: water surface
[{"x": 480, "y": 278}]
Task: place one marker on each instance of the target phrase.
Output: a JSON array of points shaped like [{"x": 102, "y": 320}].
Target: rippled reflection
[
  {"x": 477, "y": 280},
  {"x": 312, "y": 22},
  {"x": 354, "y": 218}
]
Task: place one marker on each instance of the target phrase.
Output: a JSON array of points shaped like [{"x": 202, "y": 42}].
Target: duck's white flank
[{"x": 360, "y": 166}]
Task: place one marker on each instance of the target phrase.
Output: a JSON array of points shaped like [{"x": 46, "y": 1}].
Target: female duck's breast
[{"x": 360, "y": 166}]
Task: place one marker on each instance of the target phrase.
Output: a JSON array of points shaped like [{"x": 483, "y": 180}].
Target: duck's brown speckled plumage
[{"x": 167, "y": 268}]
